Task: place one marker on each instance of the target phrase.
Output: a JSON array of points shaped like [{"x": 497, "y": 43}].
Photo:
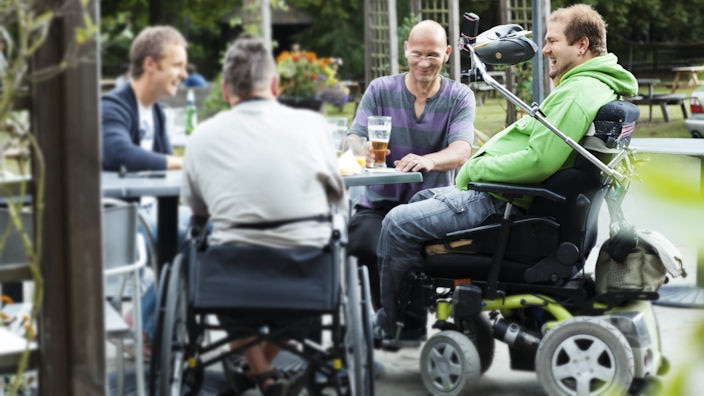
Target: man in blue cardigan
[
  {"x": 133, "y": 123},
  {"x": 134, "y": 128}
]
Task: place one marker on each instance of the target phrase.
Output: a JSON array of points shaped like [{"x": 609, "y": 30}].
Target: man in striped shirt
[{"x": 432, "y": 132}]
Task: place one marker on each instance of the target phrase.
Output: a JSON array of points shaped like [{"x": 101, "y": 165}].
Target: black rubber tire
[
  {"x": 482, "y": 335},
  {"x": 174, "y": 335},
  {"x": 154, "y": 367},
  {"x": 357, "y": 337}
]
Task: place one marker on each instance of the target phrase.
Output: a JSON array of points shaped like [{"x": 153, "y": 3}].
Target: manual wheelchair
[
  {"x": 269, "y": 291},
  {"x": 520, "y": 278}
]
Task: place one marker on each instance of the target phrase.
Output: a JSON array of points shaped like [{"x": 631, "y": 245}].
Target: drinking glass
[
  {"x": 379, "y": 128},
  {"x": 338, "y": 130},
  {"x": 360, "y": 148}
]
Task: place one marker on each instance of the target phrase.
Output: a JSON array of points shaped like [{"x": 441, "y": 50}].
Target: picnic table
[
  {"x": 650, "y": 99},
  {"x": 693, "y": 77}
]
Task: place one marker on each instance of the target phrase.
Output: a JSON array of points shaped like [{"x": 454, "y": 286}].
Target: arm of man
[
  {"x": 118, "y": 147},
  {"x": 451, "y": 157}
]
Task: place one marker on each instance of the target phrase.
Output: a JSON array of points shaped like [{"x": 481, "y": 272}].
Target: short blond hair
[
  {"x": 151, "y": 42},
  {"x": 582, "y": 20}
]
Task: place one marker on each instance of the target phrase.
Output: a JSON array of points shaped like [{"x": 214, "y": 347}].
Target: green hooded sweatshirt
[{"x": 527, "y": 152}]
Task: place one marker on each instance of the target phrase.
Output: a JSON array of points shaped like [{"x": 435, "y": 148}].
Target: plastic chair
[{"x": 124, "y": 258}]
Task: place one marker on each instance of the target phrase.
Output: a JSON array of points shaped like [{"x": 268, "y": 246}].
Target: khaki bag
[{"x": 645, "y": 268}]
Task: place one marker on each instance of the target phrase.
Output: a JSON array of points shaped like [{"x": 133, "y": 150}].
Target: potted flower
[{"x": 309, "y": 81}]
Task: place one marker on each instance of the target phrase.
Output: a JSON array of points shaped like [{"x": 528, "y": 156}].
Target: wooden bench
[{"x": 663, "y": 101}]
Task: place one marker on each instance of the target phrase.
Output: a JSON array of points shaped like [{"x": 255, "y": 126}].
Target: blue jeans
[{"x": 429, "y": 215}]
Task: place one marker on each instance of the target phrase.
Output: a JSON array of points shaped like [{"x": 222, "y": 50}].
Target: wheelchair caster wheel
[{"x": 449, "y": 364}]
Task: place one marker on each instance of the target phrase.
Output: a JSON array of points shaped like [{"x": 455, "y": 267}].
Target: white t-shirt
[
  {"x": 261, "y": 162},
  {"x": 146, "y": 141},
  {"x": 146, "y": 127}
]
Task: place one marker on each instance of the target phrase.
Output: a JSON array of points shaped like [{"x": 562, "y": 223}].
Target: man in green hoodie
[{"x": 585, "y": 76}]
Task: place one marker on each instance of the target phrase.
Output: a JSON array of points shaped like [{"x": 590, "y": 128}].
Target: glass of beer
[{"x": 379, "y": 128}]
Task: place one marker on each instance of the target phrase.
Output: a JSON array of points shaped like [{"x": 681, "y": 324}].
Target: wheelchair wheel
[
  {"x": 175, "y": 378},
  {"x": 367, "y": 326},
  {"x": 584, "y": 356},
  {"x": 481, "y": 333},
  {"x": 154, "y": 367},
  {"x": 449, "y": 364},
  {"x": 359, "y": 345}
]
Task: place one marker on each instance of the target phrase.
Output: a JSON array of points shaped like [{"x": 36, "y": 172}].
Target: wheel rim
[
  {"x": 583, "y": 364},
  {"x": 584, "y": 356},
  {"x": 445, "y": 366}
]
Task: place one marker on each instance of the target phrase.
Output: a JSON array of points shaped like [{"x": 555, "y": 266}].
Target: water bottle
[{"x": 191, "y": 114}]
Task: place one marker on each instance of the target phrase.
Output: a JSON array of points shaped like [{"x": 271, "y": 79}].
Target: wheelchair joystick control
[{"x": 512, "y": 334}]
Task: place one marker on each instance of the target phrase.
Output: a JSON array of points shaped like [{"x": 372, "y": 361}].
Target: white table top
[
  {"x": 129, "y": 187},
  {"x": 375, "y": 178},
  {"x": 114, "y": 186},
  {"x": 681, "y": 146}
]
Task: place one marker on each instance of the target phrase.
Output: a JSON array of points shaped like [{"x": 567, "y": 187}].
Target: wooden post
[{"x": 65, "y": 121}]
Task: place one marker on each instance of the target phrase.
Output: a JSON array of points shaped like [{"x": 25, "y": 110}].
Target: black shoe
[{"x": 409, "y": 338}]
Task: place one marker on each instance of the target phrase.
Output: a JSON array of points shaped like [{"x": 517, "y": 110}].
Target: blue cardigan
[{"x": 120, "y": 129}]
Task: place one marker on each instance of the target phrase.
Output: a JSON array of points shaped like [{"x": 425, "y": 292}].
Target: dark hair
[
  {"x": 151, "y": 42},
  {"x": 580, "y": 21},
  {"x": 248, "y": 66}
]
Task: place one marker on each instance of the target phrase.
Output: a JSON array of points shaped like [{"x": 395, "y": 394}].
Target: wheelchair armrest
[
  {"x": 339, "y": 227},
  {"x": 198, "y": 230},
  {"x": 511, "y": 191}
]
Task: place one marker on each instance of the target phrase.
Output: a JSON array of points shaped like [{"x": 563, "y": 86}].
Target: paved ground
[{"x": 679, "y": 219}]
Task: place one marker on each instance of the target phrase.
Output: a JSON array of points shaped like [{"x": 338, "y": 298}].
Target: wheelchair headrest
[
  {"x": 614, "y": 124},
  {"x": 505, "y": 45}
]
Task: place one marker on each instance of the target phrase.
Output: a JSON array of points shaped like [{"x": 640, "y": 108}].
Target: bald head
[{"x": 428, "y": 29}]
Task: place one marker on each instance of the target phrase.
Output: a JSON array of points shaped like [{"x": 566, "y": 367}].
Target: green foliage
[
  {"x": 403, "y": 30},
  {"x": 336, "y": 31}
]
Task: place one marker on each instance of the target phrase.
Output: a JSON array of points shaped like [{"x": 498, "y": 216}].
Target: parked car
[{"x": 695, "y": 123}]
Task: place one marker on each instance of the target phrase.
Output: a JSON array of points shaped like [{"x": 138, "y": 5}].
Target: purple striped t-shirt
[{"x": 448, "y": 116}]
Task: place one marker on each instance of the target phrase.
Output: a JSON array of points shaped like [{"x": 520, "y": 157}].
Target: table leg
[
  {"x": 167, "y": 231},
  {"x": 650, "y": 102},
  {"x": 688, "y": 296},
  {"x": 674, "y": 83}
]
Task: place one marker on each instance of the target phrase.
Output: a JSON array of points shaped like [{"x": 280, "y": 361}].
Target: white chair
[{"x": 124, "y": 258}]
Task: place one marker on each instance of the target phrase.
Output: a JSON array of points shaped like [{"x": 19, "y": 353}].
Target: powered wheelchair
[
  {"x": 270, "y": 294},
  {"x": 520, "y": 278}
]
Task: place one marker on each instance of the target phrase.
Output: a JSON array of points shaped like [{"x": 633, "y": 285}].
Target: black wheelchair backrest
[{"x": 614, "y": 123}]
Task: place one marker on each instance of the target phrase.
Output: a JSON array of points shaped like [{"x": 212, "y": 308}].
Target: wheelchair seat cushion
[{"x": 227, "y": 278}]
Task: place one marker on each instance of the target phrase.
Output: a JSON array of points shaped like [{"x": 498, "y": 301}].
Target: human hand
[
  {"x": 174, "y": 162},
  {"x": 414, "y": 163}
]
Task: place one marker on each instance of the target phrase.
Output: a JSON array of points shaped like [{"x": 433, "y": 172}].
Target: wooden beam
[{"x": 65, "y": 121}]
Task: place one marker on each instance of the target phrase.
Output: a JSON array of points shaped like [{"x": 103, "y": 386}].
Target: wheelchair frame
[
  {"x": 576, "y": 341},
  {"x": 182, "y": 349}
]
